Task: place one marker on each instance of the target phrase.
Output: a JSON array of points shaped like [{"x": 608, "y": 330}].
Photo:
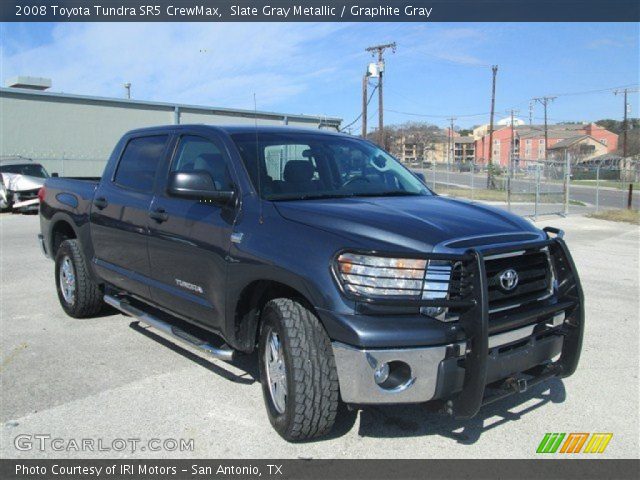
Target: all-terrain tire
[
  {"x": 312, "y": 379},
  {"x": 87, "y": 299}
]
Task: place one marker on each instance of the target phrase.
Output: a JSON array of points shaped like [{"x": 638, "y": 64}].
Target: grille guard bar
[
  {"x": 474, "y": 316},
  {"x": 466, "y": 258},
  {"x": 475, "y": 324}
]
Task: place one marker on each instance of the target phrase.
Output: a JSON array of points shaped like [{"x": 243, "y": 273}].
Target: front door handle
[
  {"x": 100, "y": 202},
  {"x": 159, "y": 215}
]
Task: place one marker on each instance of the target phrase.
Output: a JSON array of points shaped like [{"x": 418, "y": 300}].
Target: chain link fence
[
  {"x": 529, "y": 188},
  {"x": 534, "y": 188}
]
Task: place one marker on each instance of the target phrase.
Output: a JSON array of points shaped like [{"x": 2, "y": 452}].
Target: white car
[{"x": 20, "y": 181}]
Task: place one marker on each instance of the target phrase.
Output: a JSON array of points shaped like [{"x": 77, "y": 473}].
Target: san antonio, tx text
[{"x": 118, "y": 469}]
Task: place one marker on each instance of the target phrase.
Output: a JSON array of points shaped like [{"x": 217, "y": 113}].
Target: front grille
[
  {"x": 27, "y": 194},
  {"x": 535, "y": 279}
]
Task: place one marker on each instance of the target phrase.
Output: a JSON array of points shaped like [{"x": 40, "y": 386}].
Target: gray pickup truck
[{"x": 353, "y": 280}]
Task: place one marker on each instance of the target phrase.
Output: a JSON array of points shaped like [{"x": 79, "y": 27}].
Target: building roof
[
  {"x": 567, "y": 142},
  {"x": 553, "y": 131},
  {"x": 465, "y": 139},
  {"x": 333, "y": 121}
]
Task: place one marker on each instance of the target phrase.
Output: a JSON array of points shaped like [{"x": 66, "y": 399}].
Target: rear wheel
[
  {"x": 79, "y": 296},
  {"x": 297, "y": 371}
]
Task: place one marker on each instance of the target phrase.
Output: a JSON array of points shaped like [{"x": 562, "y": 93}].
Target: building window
[
  {"x": 496, "y": 148},
  {"x": 528, "y": 143},
  {"x": 541, "y": 149}
]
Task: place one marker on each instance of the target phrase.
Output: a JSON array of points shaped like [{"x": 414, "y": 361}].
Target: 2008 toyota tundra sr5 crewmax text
[{"x": 353, "y": 280}]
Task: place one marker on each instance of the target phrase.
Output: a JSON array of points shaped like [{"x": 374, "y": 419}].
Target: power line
[
  {"x": 589, "y": 92},
  {"x": 531, "y": 103},
  {"x": 435, "y": 116},
  {"x": 360, "y": 116}
]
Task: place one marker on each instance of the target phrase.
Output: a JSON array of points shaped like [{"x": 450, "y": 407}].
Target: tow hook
[{"x": 518, "y": 384}]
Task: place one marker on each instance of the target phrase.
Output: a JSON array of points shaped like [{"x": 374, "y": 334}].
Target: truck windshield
[
  {"x": 299, "y": 166},
  {"x": 30, "y": 169}
]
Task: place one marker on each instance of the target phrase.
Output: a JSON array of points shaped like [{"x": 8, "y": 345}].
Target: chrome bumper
[{"x": 356, "y": 367}]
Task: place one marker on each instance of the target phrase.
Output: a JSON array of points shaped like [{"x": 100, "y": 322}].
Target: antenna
[{"x": 259, "y": 172}]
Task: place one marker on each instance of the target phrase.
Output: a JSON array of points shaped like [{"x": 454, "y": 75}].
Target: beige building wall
[{"x": 74, "y": 135}]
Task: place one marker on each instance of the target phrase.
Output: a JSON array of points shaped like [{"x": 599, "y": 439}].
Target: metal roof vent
[{"x": 30, "y": 83}]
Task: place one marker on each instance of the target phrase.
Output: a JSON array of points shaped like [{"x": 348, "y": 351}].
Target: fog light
[
  {"x": 433, "y": 311},
  {"x": 381, "y": 373}
]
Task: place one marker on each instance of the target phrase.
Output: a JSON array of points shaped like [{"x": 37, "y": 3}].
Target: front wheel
[
  {"x": 79, "y": 296},
  {"x": 297, "y": 371}
]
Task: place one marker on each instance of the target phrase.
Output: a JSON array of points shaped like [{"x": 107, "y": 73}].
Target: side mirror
[
  {"x": 55, "y": 175},
  {"x": 197, "y": 185},
  {"x": 420, "y": 175}
]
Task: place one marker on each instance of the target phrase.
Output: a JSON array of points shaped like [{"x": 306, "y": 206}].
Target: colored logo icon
[{"x": 574, "y": 443}]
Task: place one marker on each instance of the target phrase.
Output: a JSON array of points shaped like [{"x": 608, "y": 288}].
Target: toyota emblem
[{"x": 508, "y": 279}]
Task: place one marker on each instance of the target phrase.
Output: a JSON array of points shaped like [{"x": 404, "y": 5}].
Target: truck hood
[
  {"x": 414, "y": 223},
  {"x": 20, "y": 183}
]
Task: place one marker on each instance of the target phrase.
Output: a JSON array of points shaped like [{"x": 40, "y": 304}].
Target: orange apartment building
[{"x": 530, "y": 143}]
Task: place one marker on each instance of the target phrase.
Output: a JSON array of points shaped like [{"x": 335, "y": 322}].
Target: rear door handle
[
  {"x": 100, "y": 202},
  {"x": 159, "y": 215}
]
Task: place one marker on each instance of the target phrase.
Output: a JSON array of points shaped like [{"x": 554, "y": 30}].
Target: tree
[{"x": 420, "y": 133}]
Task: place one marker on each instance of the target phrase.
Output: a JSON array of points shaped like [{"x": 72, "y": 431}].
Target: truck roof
[{"x": 231, "y": 129}]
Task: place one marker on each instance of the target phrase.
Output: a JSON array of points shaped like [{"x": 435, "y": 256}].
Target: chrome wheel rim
[
  {"x": 276, "y": 371},
  {"x": 68, "y": 281}
]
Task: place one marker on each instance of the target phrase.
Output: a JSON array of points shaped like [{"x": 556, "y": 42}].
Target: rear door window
[{"x": 139, "y": 162}]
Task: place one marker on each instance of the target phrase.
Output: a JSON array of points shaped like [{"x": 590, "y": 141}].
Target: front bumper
[
  {"x": 438, "y": 372},
  {"x": 460, "y": 371}
]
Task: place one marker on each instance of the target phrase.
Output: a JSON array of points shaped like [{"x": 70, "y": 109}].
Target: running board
[{"x": 216, "y": 352}]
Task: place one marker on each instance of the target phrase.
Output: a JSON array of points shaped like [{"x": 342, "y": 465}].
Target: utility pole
[
  {"x": 451, "y": 141},
  {"x": 544, "y": 101},
  {"x": 531, "y": 103},
  {"x": 127, "y": 87},
  {"x": 625, "y": 122},
  {"x": 380, "y": 50},
  {"x": 490, "y": 182},
  {"x": 365, "y": 82},
  {"x": 513, "y": 140},
  {"x": 512, "y": 147}
]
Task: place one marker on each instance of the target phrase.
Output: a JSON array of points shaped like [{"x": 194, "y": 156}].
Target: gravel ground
[{"x": 105, "y": 378}]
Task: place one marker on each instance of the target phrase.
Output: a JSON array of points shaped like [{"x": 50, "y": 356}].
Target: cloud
[
  {"x": 217, "y": 64},
  {"x": 451, "y": 45},
  {"x": 605, "y": 43}
]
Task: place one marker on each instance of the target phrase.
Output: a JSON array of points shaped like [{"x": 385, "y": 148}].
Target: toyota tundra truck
[{"x": 354, "y": 282}]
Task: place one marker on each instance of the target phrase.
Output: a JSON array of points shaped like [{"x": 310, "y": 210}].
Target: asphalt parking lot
[{"x": 106, "y": 378}]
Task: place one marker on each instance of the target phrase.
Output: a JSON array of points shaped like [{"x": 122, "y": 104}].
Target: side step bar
[{"x": 216, "y": 352}]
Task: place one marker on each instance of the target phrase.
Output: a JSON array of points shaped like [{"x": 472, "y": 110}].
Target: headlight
[
  {"x": 403, "y": 278},
  {"x": 377, "y": 277}
]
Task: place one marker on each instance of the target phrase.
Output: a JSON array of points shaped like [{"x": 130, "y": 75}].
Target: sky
[{"x": 439, "y": 70}]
